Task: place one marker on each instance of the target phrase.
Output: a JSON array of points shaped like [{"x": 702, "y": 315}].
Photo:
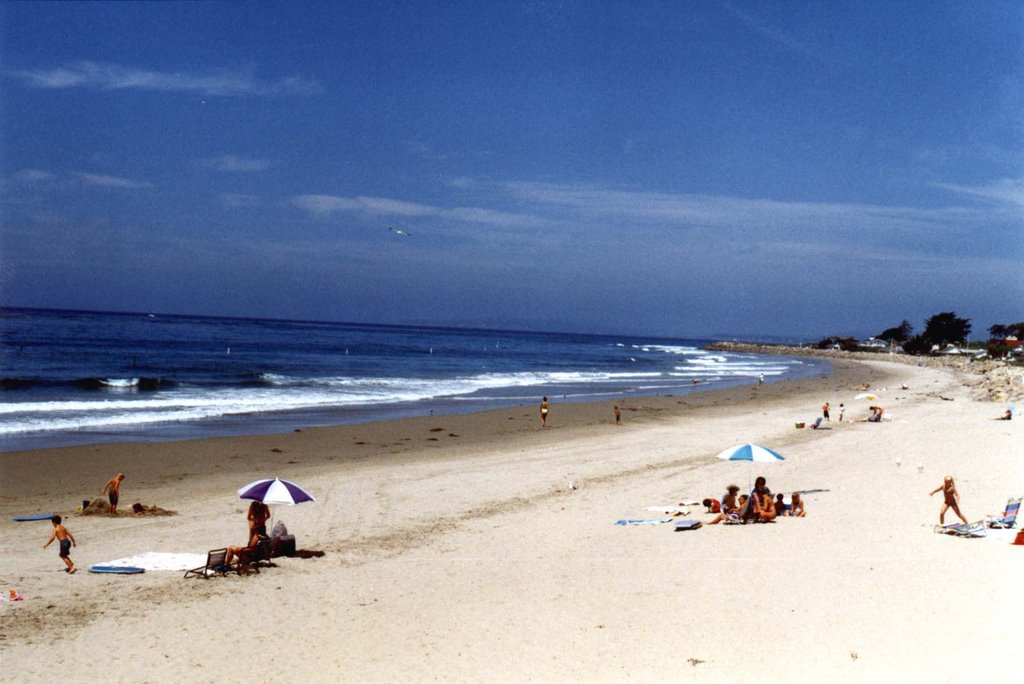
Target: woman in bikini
[{"x": 259, "y": 513}]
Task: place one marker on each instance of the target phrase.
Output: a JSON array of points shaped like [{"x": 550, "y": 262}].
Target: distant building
[{"x": 873, "y": 343}]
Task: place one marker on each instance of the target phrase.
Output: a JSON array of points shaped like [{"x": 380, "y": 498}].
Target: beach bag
[{"x": 279, "y": 530}]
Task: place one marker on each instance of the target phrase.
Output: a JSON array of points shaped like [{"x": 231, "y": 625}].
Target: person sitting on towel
[
  {"x": 730, "y": 515},
  {"x": 712, "y": 505},
  {"x": 767, "y": 512},
  {"x": 730, "y": 503},
  {"x": 796, "y": 508},
  {"x": 780, "y": 506},
  {"x": 752, "y": 511}
]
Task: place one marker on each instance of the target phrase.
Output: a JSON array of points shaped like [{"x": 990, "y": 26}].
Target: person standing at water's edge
[
  {"x": 113, "y": 491},
  {"x": 544, "y": 412},
  {"x": 618, "y": 414}
]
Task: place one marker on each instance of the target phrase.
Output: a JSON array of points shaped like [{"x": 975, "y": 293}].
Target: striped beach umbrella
[
  {"x": 275, "y": 491},
  {"x": 751, "y": 452}
]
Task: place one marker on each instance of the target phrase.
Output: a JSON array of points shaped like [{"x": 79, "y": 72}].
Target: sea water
[{"x": 79, "y": 377}]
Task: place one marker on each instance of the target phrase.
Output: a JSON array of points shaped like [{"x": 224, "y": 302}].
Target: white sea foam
[
  {"x": 284, "y": 393},
  {"x": 120, "y": 383}
]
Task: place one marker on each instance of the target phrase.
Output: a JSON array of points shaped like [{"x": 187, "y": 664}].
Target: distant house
[
  {"x": 948, "y": 350},
  {"x": 873, "y": 343}
]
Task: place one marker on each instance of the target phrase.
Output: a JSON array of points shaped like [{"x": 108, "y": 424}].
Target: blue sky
[{"x": 677, "y": 168}]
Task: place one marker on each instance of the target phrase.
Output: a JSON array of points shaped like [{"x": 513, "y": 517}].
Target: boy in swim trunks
[
  {"x": 113, "y": 491},
  {"x": 66, "y": 541}
]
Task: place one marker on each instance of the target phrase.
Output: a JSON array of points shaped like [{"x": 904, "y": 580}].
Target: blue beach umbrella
[
  {"x": 752, "y": 453},
  {"x": 275, "y": 491}
]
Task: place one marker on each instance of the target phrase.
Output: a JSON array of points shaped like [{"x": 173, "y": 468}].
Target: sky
[{"x": 686, "y": 169}]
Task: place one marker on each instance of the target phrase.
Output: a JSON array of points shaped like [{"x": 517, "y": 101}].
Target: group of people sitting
[{"x": 758, "y": 506}]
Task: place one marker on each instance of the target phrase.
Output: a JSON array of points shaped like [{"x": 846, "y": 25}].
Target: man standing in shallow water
[{"x": 113, "y": 491}]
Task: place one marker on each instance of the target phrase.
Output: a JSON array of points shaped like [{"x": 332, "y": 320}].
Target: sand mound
[{"x": 101, "y": 507}]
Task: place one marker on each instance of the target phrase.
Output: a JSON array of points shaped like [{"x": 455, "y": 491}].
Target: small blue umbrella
[{"x": 275, "y": 491}]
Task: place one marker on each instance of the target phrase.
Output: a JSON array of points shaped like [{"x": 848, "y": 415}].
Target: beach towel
[
  {"x": 154, "y": 560},
  {"x": 655, "y": 521}
]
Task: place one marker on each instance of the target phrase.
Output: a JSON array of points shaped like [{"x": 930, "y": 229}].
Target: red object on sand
[{"x": 1019, "y": 541}]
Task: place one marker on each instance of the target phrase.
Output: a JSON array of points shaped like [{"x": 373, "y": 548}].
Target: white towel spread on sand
[{"x": 155, "y": 560}]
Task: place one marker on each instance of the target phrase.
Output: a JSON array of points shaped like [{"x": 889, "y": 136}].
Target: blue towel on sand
[{"x": 655, "y": 521}]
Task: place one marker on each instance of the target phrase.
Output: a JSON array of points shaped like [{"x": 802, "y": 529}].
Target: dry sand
[{"x": 458, "y": 549}]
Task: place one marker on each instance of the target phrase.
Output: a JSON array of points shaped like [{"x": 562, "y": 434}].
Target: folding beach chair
[
  {"x": 262, "y": 553},
  {"x": 974, "y": 529},
  {"x": 251, "y": 557},
  {"x": 1009, "y": 517},
  {"x": 214, "y": 565}
]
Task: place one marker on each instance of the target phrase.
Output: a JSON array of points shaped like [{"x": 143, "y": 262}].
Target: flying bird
[{"x": 399, "y": 231}]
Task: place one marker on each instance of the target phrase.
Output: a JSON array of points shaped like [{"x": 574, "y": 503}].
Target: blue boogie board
[
  {"x": 26, "y": 518},
  {"x": 687, "y": 525},
  {"x": 114, "y": 570}
]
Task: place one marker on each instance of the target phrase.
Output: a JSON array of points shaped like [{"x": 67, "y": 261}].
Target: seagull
[{"x": 399, "y": 231}]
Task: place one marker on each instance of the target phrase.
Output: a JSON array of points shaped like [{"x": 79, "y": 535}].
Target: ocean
[{"x": 84, "y": 377}]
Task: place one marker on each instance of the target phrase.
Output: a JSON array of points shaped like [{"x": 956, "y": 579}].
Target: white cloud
[
  {"x": 229, "y": 163},
  {"x": 1010, "y": 191},
  {"x": 33, "y": 176},
  {"x": 328, "y": 204},
  {"x": 381, "y": 206},
  {"x": 105, "y": 76},
  {"x": 728, "y": 212},
  {"x": 110, "y": 181}
]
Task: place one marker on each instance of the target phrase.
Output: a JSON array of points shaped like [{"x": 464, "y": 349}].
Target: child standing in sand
[
  {"x": 65, "y": 540},
  {"x": 113, "y": 490},
  {"x": 951, "y": 499}
]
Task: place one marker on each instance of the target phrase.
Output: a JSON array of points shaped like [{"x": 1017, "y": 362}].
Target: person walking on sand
[
  {"x": 951, "y": 499},
  {"x": 113, "y": 491},
  {"x": 544, "y": 412},
  {"x": 65, "y": 540},
  {"x": 618, "y": 414},
  {"x": 824, "y": 412}
]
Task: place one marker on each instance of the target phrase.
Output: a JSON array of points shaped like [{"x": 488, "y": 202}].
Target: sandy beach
[{"x": 482, "y": 548}]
